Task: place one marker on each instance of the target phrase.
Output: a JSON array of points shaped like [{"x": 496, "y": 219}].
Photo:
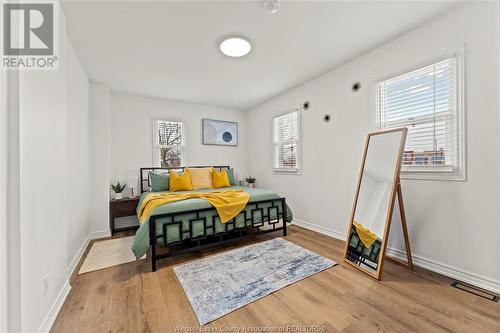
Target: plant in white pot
[
  {"x": 118, "y": 189},
  {"x": 250, "y": 181}
]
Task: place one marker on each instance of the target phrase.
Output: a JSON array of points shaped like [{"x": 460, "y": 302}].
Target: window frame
[
  {"x": 458, "y": 172},
  {"x": 298, "y": 169},
  {"x": 157, "y": 147}
]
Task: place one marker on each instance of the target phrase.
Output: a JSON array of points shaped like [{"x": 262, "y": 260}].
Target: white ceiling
[{"x": 168, "y": 49}]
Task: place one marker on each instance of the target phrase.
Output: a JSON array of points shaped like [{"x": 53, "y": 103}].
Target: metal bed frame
[{"x": 262, "y": 209}]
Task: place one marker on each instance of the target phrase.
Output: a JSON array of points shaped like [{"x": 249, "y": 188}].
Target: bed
[{"x": 194, "y": 224}]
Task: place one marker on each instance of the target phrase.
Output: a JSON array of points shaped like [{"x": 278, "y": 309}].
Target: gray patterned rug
[{"x": 222, "y": 283}]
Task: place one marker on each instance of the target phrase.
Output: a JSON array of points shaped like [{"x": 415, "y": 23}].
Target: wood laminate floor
[{"x": 130, "y": 298}]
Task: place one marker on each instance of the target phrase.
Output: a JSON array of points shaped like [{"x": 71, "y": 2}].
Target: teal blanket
[{"x": 141, "y": 240}]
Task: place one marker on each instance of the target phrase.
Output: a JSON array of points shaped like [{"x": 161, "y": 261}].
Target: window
[
  {"x": 286, "y": 144},
  {"x": 169, "y": 143},
  {"x": 425, "y": 101}
]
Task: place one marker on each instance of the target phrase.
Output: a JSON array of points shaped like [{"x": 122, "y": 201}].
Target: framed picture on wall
[{"x": 219, "y": 132}]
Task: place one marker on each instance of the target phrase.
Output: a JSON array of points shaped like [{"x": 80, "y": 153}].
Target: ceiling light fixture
[
  {"x": 235, "y": 46},
  {"x": 272, "y": 6}
]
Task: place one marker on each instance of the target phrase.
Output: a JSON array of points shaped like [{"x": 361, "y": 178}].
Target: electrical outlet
[{"x": 46, "y": 280}]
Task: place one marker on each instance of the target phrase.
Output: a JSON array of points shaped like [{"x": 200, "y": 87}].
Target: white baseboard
[
  {"x": 54, "y": 309},
  {"x": 78, "y": 256},
  {"x": 99, "y": 234},
  {"x": 322, "y": 230},
  {"x": 61, "y": 297},
  {"x": 429, "y": 264},
  {"x": 91, "y": 236},
  {"x": 447, "y": 270}
]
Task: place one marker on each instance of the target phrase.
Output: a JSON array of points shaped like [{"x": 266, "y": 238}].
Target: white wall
[
  {"x": 53, "y": 150},
  {"x": 498, "y": 92},
  {"x": 4, "y": 194},
  {"x": 452, "y": 223},
  {"x": 132, "y": 134},
  {"x": 99, "y": 126},
  {"x": 11, "y": 248},
  {"x": 43, "y": 185},
  {"x": 77, "y": 153}
]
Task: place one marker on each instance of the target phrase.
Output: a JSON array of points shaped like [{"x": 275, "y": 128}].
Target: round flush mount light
[
  {"x": 235, "y": 46},
  {"x": 271, "y": 6}
]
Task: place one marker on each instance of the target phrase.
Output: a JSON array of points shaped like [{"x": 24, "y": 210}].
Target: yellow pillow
[
  {"x": 220, "y": 178},
  {"x": 180, "y": 182},
  {"x": 201, "y": 178}
]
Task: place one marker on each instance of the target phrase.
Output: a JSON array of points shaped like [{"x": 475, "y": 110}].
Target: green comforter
[{"x": 141, "y": 240}]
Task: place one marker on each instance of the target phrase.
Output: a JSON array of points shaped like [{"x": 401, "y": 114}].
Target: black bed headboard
[{"x": 144, "y": 173}]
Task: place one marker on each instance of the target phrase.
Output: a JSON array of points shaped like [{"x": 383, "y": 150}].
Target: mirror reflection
[{"x": 374, "y": 197}]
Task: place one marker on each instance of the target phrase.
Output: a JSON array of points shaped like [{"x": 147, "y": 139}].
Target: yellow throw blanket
[
  {"x": 367, "y": 237},
  {"x": 228, "y": 203}
]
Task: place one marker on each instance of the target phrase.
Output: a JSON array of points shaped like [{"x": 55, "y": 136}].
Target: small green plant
[
  {"x": 250, "y": 180},
  {"x": 118, "y": 188}
]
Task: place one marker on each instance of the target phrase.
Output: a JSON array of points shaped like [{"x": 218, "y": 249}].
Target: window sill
[
  {"x": 287, "y": 171},
  {"x": 445, "y": 175}
]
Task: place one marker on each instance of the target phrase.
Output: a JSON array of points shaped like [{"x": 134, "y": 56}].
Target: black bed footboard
[{"x": 178, "y": 229}]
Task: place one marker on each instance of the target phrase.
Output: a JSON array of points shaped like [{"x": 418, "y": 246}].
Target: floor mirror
[{"x": 378, "y": 189}]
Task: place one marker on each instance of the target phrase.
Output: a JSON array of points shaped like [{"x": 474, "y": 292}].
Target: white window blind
[
  {"x": 286, "y": 143},
  {"x": 169, "y": 143},
  {"x": 424, "y": 101}
]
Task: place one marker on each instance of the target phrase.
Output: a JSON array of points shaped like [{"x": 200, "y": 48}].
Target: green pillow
[
  {"x": 230, "y": 175},
  {"x": 159, "y": 182}
]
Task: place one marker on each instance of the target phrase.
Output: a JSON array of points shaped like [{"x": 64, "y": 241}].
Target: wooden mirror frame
[{"x": 396, "y": 190}]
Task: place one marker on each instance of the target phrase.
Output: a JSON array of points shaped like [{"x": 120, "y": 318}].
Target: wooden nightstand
[{"x": 122, "y": 208}]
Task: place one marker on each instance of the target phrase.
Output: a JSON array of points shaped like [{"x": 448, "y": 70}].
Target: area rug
[
  {"x": 108, "y": 253},
  {"x": 220, "y": 284}
]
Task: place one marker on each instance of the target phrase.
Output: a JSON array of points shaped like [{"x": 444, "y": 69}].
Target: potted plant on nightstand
[
  {"x": 118, "y": 189},
  {"x": 250, "y": 181}
]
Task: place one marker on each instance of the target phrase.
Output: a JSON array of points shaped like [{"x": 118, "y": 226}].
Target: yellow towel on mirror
[
  {"x": 366, "y": 235},
  {"x": 228, "y": 203}
]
